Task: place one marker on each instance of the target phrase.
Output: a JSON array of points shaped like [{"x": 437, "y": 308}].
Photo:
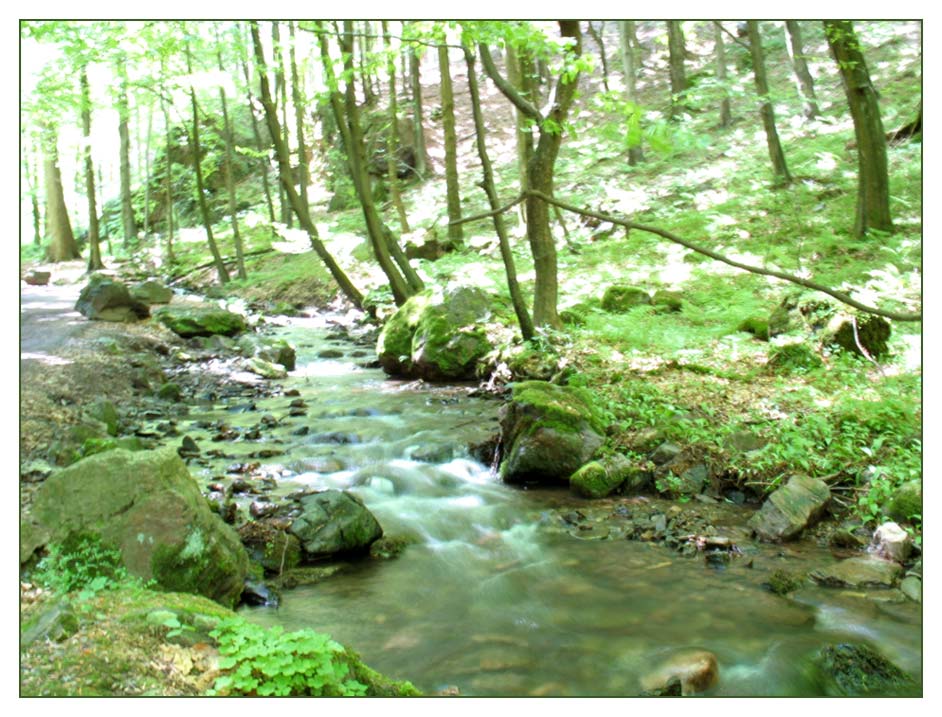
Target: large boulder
[
  {"x": 548, "y": 432},
  {"x": 857, "y": 670},
  {"x": 437, "y": 335},
  {"x": 147, "y": 505},
  {"x": 191, "y": 320},
  {"x": 791, "y": 509},
  {"x": 152, "y": 292},
  {"x": 105, "y": 299},
  {"x": 334, "y": 522}
]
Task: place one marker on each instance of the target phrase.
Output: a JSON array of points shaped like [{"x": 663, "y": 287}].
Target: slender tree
[
  {"x": 168, "y": 174},
  {"x": 415, "y": 79},
  {"x": 453, "y": 190},
  {"x": 264, "y": 163},
  {"x": 94, "y": 250},
  {"x": 628, "y": 38},
  {"x": 128, "y": 225},
  {"x": 873, "y": 185},
  {"x": 230, "y": 153},
  {"x": 725, "y": 113},
  {"x": 220, "y": 265},
  {"x": 487, "y": 182},
  {"x": 392, "y": 134},
  {"x": 281, "y": 93},
  {"x": 540, "y": 170},
  {"x": 597, "y": 34},
  {"x": 284, "y": 175},
  {"x": 677, "y": 51},
  {"x": 803, "y": 79},
  {"x": 777, "y": 155}
]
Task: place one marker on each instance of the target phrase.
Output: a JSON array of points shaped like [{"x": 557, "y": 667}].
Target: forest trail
[{"x": 48, "y": 318}]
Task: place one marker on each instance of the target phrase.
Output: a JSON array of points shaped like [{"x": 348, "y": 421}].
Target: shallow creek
[{"x": 491, "y": 599}]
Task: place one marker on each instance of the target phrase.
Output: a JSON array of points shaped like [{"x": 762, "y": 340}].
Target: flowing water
[{"x": 494, "y": 601}]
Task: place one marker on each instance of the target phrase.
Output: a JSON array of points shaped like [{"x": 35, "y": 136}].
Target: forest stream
[{"x": 496, "y": 595}]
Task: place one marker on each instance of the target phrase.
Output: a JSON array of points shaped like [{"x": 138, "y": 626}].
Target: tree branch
[
  {"x": 735, "y": 39},
  {"x": 485, "y": 215},
  {"x": 508, "y": 90}
]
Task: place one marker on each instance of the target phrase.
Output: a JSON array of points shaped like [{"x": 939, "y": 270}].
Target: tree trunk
[
  {"x": 421, "y": 153},
  {"x": 127, "y": 208},
  {"x": 168, "y": 180},
  {"x": 629, "y": 64},
  {"x": 803, "y": 79},
  {"x": 281, "y": 92},
  {"x": 31, "y": 171},
  {"x": 597, "y": 36},
  {"x": 264, "y": 163},
  {"x": 725, "y": 114},
  {"x": 392, "y": 135},
  {"x": 519, "y": 72},
  {"x": 284, "y": 174},
  {"x": 677, "y": 51},
  {"x": 94, "y": 249},
  {"x": 516, "y": 296},
  {"x": 62, "y": 246},
  {"x": 221, "y": 271},
  {"x": 453, "y": 190},
  {"x": 776, "y": 154},
  {"x": 873, "y": 189},
  {"x": 147, "y": 141},
  {"x": 230, "y": 182},
  {"x": 364, "y": 43},
  {"x": 297, "y": 100}
]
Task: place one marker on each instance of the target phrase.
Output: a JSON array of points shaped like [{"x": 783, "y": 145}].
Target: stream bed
[{"x": 492, "y": 597}]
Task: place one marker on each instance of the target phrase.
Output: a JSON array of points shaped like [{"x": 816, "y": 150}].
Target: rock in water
[
  {"x": 890, "y": 541},
  {"x": 855, "y": 670},
  {"x": 333, "y": 522},
  {"x": 148, "y": 506},
  {"x": 859, "y": 572},
  {"x": 197, "y": 320},
  {"x": 697, "y": 671},
  {"x": 791, "y": 509},
  {"x": 548, "y": 432}
]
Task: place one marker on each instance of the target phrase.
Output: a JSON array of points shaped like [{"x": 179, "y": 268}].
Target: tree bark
[
  {"x": 221, "y": 271},
  {"x": 725, "y": 113},
  {"x": 677, "y": 52},
  {"x": 230, "y": 182},
  {"x": 284, "y": 174},
  {"x": 629, "y": 53},
  {"x": 297, "y": 100},
  {"x": 94, "y": 249},
  {"x": 779, "y": 167},
  {"x": 516, "y": 295},
  {"x": 597, "y": 36},
  {"x": 453, "y": 190},
  {"x": 873, "y": 187},
  {"x": 421, "y": 153},
  {"x": 803, "y": 79},
  {"x": 62, "y": 245},
  {"x": 264, "y": 163},
  {"x": 127, "y": 208},
  {"x": 281, "y": 92},
  {"x": 392, "y": 135}
]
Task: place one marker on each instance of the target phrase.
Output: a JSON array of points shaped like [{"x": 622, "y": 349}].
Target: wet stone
[{"x": 302, "y": 431}]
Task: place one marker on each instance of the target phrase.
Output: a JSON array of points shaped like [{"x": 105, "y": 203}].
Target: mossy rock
[
  {"x": 668, "y": 300},
  {"x": 598, "y": 479},
  {"x": 857, "y": 670},
  {"x": 618, "y": 299},
  {"x": 576, "y": 314},
  {"x": 905, "y": 502},
  {"x": 192, "y": 321},
  {"x": 170, "y": 391},
  {"x": 530, "y": 363},
  {"x": 802, "y": 311},
  {"x": 394, "y": 345},
  {"x": 758, "y": 326},
  {"x": 548, "y": 432},
  {"x": 149, "y": 507},
  {"x": 782, "y": 582},
  {"x": 871, "y": 335},
  {"x": 793, "y": 358}
]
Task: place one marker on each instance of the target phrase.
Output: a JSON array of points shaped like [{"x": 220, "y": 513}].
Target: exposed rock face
[
  {"x": 104, "y": 299},
  {"x": 148, "y": 506},
  {"x": 548, "y": 432},
  {"x": 618, "y": 299},
  {"x": 855, "y": 670},
  {"x": 697, "y": 671},
  {"x": 437, "y": 336},
  {"x": 859, "y": 572},
  {"x": 333, "y": 522},
  {"x": 200, "y": 320},
  {"x": 791, "y": 509},
  {"x": 152, "y": 292}
]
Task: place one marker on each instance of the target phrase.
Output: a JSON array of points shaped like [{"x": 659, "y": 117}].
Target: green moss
[
  {"x": 757, "y": 326},
  {"x": 563, "y": 408},
  {"x": 859, "y": 670},
  {"x": 906, "y": 502},
  {"x": 595, "y": 480},
  {"x": 782, "y": 582},
  {"x": 200, "y": 321},
  {"x": 669, "y": 300},
  {"x": 792, "y": 358},
  {"x": 619, "y": 299},
  {"x": 195, "y": 569}
]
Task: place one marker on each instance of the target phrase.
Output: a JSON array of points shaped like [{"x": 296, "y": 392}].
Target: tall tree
[
  {"x": 725, "y": 113},
  {"x": 230, "y": 153},
  {"x": 540, "y": 170},
  {"x": 128, "y": 225},
  {"x": 777, "y": 155},
  {"x": 264, "y": 163},
  {"x": 392, "y": 133},
  {"x": 94, "y": 249},
  {"x": 803, "y": 79},
  {"x": 62, "y": 245},
  {"x": 452, "y": 189},
  {"x": 415, "y": 80},
  {"x": 873, "y": 185},
  {"x": 281, "y": 97},
  {"x": 677, "y": 52},
  {"x": 220, "y": 265},
  {"x": 284, "y": 174},
  {"x": 629, "y": 54},
  {"x": 513, "y": 286}
]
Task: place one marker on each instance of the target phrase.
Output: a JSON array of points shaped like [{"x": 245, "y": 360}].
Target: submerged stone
[
  {"x": 859, "y": 572},
  {"x": 857, "y": 670}
]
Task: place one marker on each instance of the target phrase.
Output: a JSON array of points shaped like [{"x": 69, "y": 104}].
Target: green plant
[
  {"x": 272, "y": 662},
  {"x": 81, "y": 563}
]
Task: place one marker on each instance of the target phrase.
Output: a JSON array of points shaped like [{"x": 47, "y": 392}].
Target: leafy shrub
[
  {"x": 271, "y": 662},
  {"x": 81, "y": 563}
]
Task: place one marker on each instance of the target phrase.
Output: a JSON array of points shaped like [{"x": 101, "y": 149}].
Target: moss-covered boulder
[
  {"x": 861, "y": 334},
  {"x": 618, "y": 298},
  {"x": 548, "y": 432},
  {"x": 200, "y": 320},
  {"x": 598, "y": 479},
  {"x": 105, "y": 299},
  {"x": 334, "y": 522},
  {"x": 147, "y": 505},
  {"x": 152, "y": 292},
  {"x": 857, "y": 670},
  {"x": 665, "y": 300},
  {"x": 905, "y": 502},
  {"x": 791, "y": 509},
  {"x": 437, "y": 335},
  {"x": 758, "y": 326}
]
